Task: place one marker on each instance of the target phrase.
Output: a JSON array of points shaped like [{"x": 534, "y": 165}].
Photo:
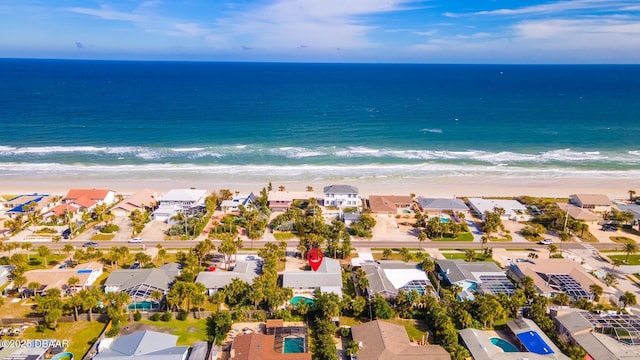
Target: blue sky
[{"x": 437, "y": 31}]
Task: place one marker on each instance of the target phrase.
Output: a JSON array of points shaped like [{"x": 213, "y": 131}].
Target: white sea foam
[
  {"x": 434, "y": 131},
  {"x": 327, "y": 154},
  {"x": 303, "y": 172}
]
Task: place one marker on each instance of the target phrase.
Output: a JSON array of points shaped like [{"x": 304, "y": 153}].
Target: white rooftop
[{"x": 400, "y": 277}]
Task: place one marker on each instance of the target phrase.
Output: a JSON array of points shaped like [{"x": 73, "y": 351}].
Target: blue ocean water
[{"x": 318, "y": 120}]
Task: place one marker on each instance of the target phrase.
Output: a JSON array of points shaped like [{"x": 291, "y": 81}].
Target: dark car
[
  {"x": 66, "y": 234},
  {"x": 609, "y": 228},
  {"x": 90, "y": 243},
  {"x": 135, "y": 266}
]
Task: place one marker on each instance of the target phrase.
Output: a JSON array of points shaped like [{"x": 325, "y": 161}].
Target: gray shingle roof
[
  {"x": 329, "y": 274},
  {"x": 144, "y": 345},
  {"x": 442, "y": 204},
  {"x": 462, "y": 270},
  {"x": 340, "y": 189},
  {"x": 125, "y": 279},
  {"x": 244, "y": 270}
]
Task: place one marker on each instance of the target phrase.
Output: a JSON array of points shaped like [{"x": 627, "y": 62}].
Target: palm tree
[
  {"x": 596, "y": 290},
  {"x": 19, "y": 281},
  {"x": 422, "y": 236},
  {"x": 632, "y": 195},
  {"x": 469, "y": 255},
  {"x": 73, "y": 281},
  {"x": 44, "y": 251},
  {"x": 552, "y": 249},
  {"x": 630, "y": 247},
  {"x": 33, "y": 287},
  {"x": 386, "y": 253},
  {"x": 628, "y": 298},
  {"x": 68, "y": 248},
  {"x": 406, "y": 255},
  {"x": 157, "y": 295},
  {"x": 483, "y": 240},
  {"x": 27, "y": 246}
]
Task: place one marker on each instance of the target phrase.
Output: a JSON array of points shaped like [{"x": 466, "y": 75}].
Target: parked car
[
  {"x": 90, "y": 243},
  {"x": 609, "y": 228},
  {"x": 545, "y": 242},
  {"x": 66, "y": 234},
  {"x": 135, "y": 240},
  {"x": 135, "y": 265}
]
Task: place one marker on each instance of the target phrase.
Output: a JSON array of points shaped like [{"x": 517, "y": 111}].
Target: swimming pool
[
  {"x": 298, "y": 299},
  {"x": 504, "y": 345},
  {"x": 143, "y": 305},
  {"x": 63, "y": 356},
  {"x": 293, "y": 345}
]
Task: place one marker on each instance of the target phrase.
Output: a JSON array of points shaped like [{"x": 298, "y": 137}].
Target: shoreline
[{"x": 446, "y": 186}]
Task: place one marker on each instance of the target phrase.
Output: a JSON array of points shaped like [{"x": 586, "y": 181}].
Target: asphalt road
[{"x": 355, "y": 243}]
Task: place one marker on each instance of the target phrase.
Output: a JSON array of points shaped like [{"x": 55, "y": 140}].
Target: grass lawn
[
  {"x": 415, "y": 328},
  {"x": 18, "y": 309},
  {"x": 394, "y": 256},
  {"x": 633, "y": 259},
  {"x": 81, "y": 335},
  {"x": 37, "y": 262},
  {"x": 284, "y": 236},
  {"x": 102, "y": 237},
  {"x": 620, "y": 239},
  {"x": 461, "y": 256},
  {"x": 189, "y": 331},
  {"x": 461, "y": 237}
]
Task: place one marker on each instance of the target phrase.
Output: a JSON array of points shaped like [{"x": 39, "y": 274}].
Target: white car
[
  {"x": 545, "y": 242},
  {"x": 135, "y": 240}
]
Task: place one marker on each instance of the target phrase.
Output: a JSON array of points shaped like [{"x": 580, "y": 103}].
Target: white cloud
[
  {"x": 106, "y": 13},
  {"x": 327, "y": 24},
  {"x": 595, "y": 39},
  {"x": 559, "y": 7}
]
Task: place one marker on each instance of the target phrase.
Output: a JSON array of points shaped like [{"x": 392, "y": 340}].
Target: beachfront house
[
  {"x": 596, "y": 203},
  {"x": 378, "y": 340},
  {"x": 387, "y": 277},
  {"x": 390, "y": 204},
  {"x": 141, "y": 200},
  {"x": 632, "y": 208},
  {"x": 439, "y": 206},
  {"x": 513, "y": 210},
  {"x": 578, "y": 213},
  {"x": 176, "y": 201},
  {"x": 241, "y": 199},
  {"x": 98, "y": 196},
  {"x": 341, "y": 196},
  {"x": 483, "y": 277},
  {"x": 283, "y": 200}
]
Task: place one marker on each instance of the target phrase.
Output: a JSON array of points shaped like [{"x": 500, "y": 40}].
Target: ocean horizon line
[{"x": 218, "y": 61}]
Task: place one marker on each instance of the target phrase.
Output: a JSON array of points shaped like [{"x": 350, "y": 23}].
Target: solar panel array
[
  {"x": 569, "y": 286},
  {"x": 623, "y": 327},
  {"x": 496, "y": 284}
]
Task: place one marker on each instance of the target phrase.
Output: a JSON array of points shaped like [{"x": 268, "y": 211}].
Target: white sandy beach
[{"x": 436, "y": 187}]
